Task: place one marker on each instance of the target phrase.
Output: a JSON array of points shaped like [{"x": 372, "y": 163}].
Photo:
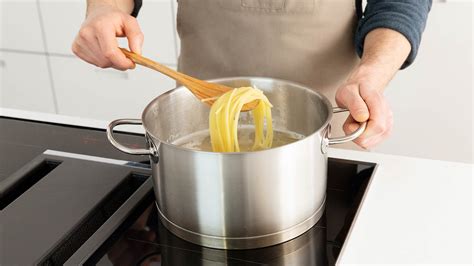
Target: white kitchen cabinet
[
  {"x": 25, "y": 82},
  {"x": 90, "y": 92},
  {"x": 62, "y": 21},
  {"x": 432, "y": 99},
  {"x": 174, "y": 3},
  {"x": 156, "y": 22},
  {"x": 20, "y": 26}
]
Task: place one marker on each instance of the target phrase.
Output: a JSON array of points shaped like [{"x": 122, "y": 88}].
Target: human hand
[
  {"x": 363, "y": 95},
  {"x": 385, "y": 51},
  {"x": 96, "y": 42}
]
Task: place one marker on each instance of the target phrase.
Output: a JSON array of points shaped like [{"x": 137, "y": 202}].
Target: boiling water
[{"x": 201, "y": 140}]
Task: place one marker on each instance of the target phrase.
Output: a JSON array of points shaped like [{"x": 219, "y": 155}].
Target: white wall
[{"x": 432, "y": 100}]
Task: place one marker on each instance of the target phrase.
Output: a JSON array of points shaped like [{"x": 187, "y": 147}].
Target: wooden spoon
[{"x": 203, "y": 90}]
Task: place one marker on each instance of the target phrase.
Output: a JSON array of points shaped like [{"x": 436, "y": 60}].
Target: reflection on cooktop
[
  {"x": 143, "y": 240},
  {"x": 83, "y": 202},
  {"x": 148, "y": 241},
  {"x": 23, "y": 140}
]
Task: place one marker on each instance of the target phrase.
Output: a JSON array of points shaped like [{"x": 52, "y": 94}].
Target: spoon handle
[{"x": 141, "y": 60}]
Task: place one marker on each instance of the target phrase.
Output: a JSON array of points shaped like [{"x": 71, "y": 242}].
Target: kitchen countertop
[{"x": 414, "y": 211}]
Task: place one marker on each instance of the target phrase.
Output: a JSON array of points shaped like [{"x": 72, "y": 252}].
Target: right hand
[{"x": 96, "y": 42}]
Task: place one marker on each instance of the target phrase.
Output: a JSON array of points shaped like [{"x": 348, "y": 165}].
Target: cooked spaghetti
[{"x": 224, "y": 118}]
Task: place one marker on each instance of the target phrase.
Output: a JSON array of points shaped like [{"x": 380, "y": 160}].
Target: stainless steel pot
[
  {"x": 238, "y": 200},
  {"x": 308, "y": 249}
]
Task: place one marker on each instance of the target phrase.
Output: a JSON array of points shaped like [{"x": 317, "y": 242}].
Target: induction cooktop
[{"x": 68, "y": 197}]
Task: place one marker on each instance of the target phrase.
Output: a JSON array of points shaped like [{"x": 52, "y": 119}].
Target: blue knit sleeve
[{"x": 405, "y": 16}]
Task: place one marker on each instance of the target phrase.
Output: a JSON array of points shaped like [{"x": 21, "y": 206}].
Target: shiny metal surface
[
  {"x": 243, "y": 242},
  {"x": 306, "y": 250},
  {"x": 120, "y": 147},
  {"x": 350, "y": 137},
  {"x": 247, "y": 199}
]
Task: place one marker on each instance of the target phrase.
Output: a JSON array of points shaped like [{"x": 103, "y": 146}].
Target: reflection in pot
[
  {"x": 307, "y": 249},
  {"x": 149, "y": 243},
  {"x": 239, "y": 200}
]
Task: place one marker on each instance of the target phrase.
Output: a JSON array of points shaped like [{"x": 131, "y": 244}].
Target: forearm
[
  {"x": 124, "y": 5},
  {"x": 408, "y": 17},
  {"x": 387, "y": 39},
  {"x": 385, "y": 51}
]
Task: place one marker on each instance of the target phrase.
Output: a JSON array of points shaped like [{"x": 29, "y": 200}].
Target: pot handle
[
  {"x": 110, "y": 136},
  {"x": 350, "y": 137}
]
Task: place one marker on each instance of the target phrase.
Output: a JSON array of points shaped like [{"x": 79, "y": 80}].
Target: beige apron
[{"x": 306, "y": 41}]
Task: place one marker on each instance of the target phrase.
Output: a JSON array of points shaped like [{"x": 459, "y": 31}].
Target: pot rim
[{"x": 251, "y": 78}]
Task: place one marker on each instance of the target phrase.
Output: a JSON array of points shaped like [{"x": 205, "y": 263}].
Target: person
[{"x": 334, "y": 46}]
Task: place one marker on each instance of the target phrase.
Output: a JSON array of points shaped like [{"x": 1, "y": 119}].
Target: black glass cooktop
[{"x": 68, "y": 197}]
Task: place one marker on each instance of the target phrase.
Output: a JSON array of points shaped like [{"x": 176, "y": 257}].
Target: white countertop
[{"x": 415, "y": 210}]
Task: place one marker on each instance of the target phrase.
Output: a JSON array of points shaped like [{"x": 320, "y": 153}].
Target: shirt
[{"x": 407, "y": 17}]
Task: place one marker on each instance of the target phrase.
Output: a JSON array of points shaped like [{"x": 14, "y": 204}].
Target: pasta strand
[{"x": 224, "y": 119}]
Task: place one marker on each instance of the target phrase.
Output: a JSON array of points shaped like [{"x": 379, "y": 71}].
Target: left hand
[{"x": 365, "y": 100}]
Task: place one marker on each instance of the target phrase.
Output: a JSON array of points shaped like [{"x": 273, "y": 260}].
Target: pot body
[
  {"x": 239, "y": 200},
  {"x": 244, "y": 200}
]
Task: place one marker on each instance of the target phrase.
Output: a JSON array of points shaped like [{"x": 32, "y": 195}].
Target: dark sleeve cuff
[
  {"x": 136, "y": 7},
  {"x": 403, "y": 16}
]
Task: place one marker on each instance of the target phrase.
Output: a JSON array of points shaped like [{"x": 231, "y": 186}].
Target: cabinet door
[
  {"x": 155, "y": 20},
  {"x": 157, "y": 23},
  {"x": 20, "y": 26},
  {"x": 90, "y": 92},
  {"x": 25, "y": 82},
  {"x": 175, "y": 15},
  {"x": 61, "y": 22}
]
